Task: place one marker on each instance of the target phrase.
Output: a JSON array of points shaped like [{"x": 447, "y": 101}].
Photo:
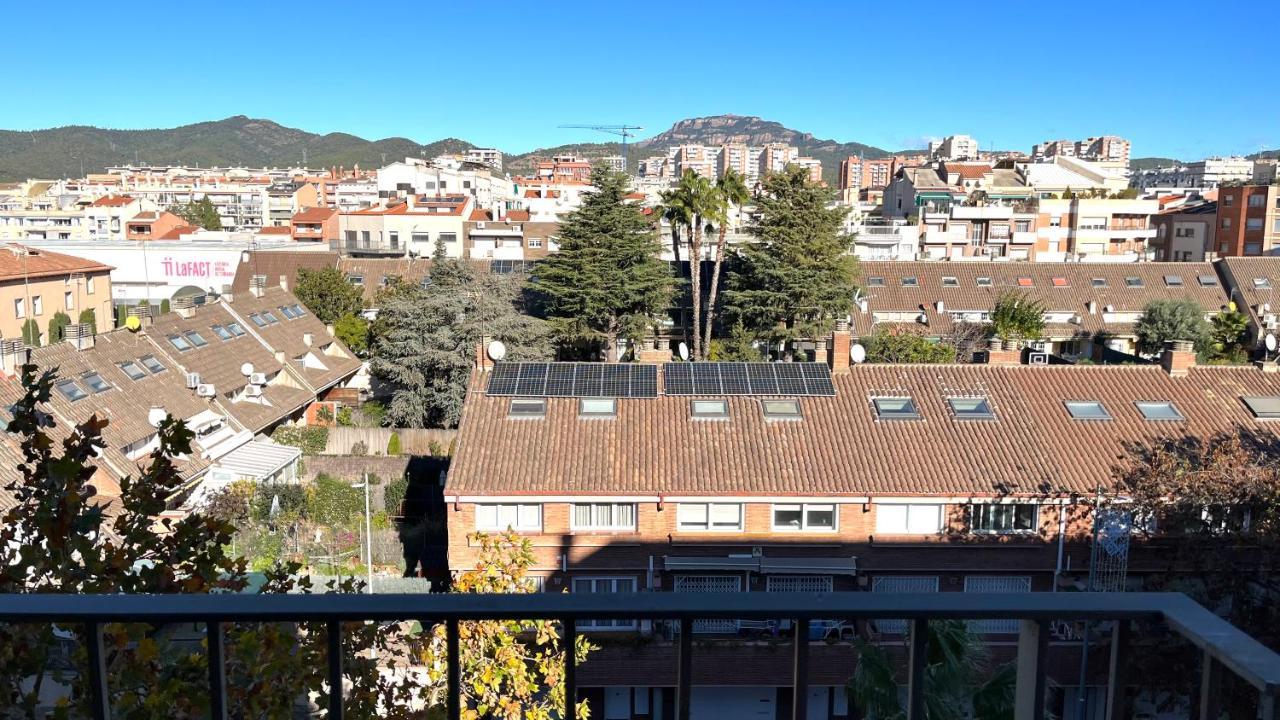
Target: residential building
[
  {"x": 316, "y": 224},
  {"x": 1109, "y": 150},
  {"x": 616, "y": 163},
  {"x": 1248, "y": 220},
  {"x": 857, "y": 173},
  {"x": 811, "y": 165},
  {"x": 954, "y": 147},
  {"x": 508, "y": 235},
  {"x": 412, "y": 226},
  {"x": 1062, "y": 173},
  {"x": 563, "y": 168},
  {"x": 486, "y": 156},
  {"x": 916, "y": 189},
  {"x": 288, "y": 198},
  {"x": 30, "y": 212},
  {"x": 1265, "y": 171},
  {"x": 740, "y": 158},
  {"x": 1185, "y": 232},
  {"x": 775, "y": 157},
  {"x": 442, "y": 176},
  {"x": 698, "y": 159},
  {"x": 36, "y": 284},
  {"x": 1255, "y": 288},
  {"x": 1090, "y": 228},
  {"x": 106, "y": 217},
  {"x": 1201, "y": 175},
  {"x": 152, "y": 225}
]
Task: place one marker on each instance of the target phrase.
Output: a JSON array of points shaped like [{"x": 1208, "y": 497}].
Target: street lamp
[{"x": 368, "y": 529}]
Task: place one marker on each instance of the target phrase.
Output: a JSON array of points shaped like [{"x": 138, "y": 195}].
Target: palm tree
[
  {"x": 678, "y": 211},
  {"x": 731, "y": 193},
  {"x": 695, "y": 198},
  {"x": 957, "y": 678}
]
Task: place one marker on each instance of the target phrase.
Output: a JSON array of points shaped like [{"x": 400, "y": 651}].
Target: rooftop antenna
[{"x": 624, "y": 131}]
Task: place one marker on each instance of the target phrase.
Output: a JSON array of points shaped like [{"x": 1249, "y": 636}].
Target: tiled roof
[
  {"x": 274, "y": 263},
  {"x": 1255, "y": 281},
  {"x": 314, "y": 215},
  {"x": 1033, "y": 447},
  {"x": 969, "y": 171},
  {"x": 19, "y": 261},
  {"x": 518, "y": 215},
  {"x": 288, "y": 336},
  {"x": 1062, "y": 287},
  {"x": 112, "y": 201},
  {"x": 275, "y": 230}
]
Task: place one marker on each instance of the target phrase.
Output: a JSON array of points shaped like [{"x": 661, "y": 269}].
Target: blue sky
[{"x": 1178, "y": 78}]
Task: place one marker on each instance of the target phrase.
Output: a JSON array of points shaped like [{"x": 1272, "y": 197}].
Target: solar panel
[
  {"x": 534, "y": 379},
  {"x": 502, "y": 381},
  {"x": 560, "y": 379},
  {"x": 644, "y": 381},
  {"x": 738, "y": 378},
  {"x": 617, "y": 381},
  {"x": 588, "y": 382}
]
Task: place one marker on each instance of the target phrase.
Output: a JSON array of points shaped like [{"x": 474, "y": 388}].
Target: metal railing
[{"x": 1223, "y": 646}]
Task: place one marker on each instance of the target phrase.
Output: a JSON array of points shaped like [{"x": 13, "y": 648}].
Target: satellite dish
[
  {"x": 497, "y": 350},
  {"x": 246, "y": 369},
  {"x": 1271, "y": 342},
  {"x": 684, "y": 351},
  {"x": 156, "y": 415},
  {"x": 858, "y": 354}
]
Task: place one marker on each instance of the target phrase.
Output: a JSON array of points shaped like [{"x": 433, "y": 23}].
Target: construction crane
[{"x": 624, "y": 131}]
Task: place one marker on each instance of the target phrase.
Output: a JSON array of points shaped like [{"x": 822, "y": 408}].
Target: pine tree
[
  {"x": 607, "y": 281},
  {"x": 201, "y": 213},
  {"x": 798, "y": 277},
  {"x": 327, "y": 293},
  {"x": 58, "y": 326}
]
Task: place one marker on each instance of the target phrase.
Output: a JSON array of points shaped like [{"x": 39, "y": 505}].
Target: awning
[
  {"x": 765, "y": 565},
  {"x": 258, "y": 459}
]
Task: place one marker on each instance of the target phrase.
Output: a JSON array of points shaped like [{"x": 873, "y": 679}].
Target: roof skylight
[
  {"x": 895, "y": 408},
  {"x": 1087, "y": 410}
]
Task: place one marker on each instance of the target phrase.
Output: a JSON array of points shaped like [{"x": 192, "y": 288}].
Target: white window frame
[
  {"x": 706, "y": 525},
  {"x": 596, "y": 526},
  {"x": 805, "y": 508},
  {"x": 612, "y": 580},
  {"x": 1035, "y": 518},
  {"x": 497, "y": 526},
  {"x": 939, "y": 509}
]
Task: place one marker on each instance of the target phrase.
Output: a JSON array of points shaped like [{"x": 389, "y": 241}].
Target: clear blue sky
[{"x": 1181, "y": 79}]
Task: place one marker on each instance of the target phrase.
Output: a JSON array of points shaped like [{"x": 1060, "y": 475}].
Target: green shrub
[
  {"x": 90, "y": 318},
  {"x": 393, "y": 445},
  {"x": 58, "y": 326},
  {"x": 31, "y": 333},
  {"x": 122, "y": 314},
  {"x": 333, "y": 502},
  {"x": 310, "y": 439},
  {"x": 395, "y": 494},
  {"x": 293, "y": 500}
]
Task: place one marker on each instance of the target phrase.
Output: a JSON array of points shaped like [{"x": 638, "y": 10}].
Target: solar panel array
[
  {"x": 540, "y": 379},
  {"x": 744, "y": 378}
]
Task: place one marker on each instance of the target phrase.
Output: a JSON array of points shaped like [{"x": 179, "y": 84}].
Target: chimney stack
[
  {"x": 483, "y": 363},
  {"x": 284, "y": 283},
  {"x": 1178, "y": 358},
  {"x": 999, "y": 354},
  {"x": 307, "y": 339},
  {"x": 13, "y": 355},
  {"x": 280, "y": 358},
  {"x": 841, "y": 341}
]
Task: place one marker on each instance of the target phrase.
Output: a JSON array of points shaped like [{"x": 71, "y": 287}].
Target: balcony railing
[{"x": 1223, "y": 646}]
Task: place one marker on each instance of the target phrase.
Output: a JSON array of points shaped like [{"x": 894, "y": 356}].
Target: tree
[
  {"x": 607, "y": 281},
  {"x": 90, "y": 318},
  {"x": 1016, "y": 317},
  {"x": 906, "y": 345},
  {"x": 957, "y": 678},
  {"x": 678, "y": 213},
  {"x": 327, "y": 293},
  {"x": 732, "y": 190},
  {"x": 58, "y": 326},
  {"x": 201, "y": 213},
  {"x": 967, "y": 338},
  {"x": 1229, "y": 334},
  {"x": 798, "y": 277},
  {"x": 426, "y": 338},
  {"x": 1163, "y": 321},
  {"x": 31, "y": 333},
  {"x": 353, "y": 331},
  {"x": 740, "y": 346},
  {"x": 699, "y": 201},
  {"x": 58, "y": 538},
  {"x": 393, "y": 444}
]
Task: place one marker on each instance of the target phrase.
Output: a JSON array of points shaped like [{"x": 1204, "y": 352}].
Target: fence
[{"x": 413, "y": 441}]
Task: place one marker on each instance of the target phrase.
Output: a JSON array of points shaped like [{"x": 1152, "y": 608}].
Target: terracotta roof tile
[
  {"x": 314, "y": 214},
  {"x": 19, "y": 261}
]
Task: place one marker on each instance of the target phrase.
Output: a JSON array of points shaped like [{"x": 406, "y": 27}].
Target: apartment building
[
  {"x": 812, "y": 166},
  {"x": 1266, "y": 171},
  {"x": 1185, "y": 232},
  {"x": 106, "y": 217},
  {"x": 485, "y": 156},
  {"x": 508, "y": 235},
  {"x": 775, "y": 157},
  {"x": 1084, "y": 228},
  {"x": 1254, "y": 283},
  {"x": 981, "y": 231},
  {"x": 1202, "y": 175},
  {"x": 152, "y": 225},
  {"x": 962, "y": 479},
  {"x": 698, "y": 159},
  {"x": 412, "y": 226},
  {"x": 38, "y": 215},
  {"x": 857, "y": 173},
  {"x": 1248, "y": 221},
  {"x": 954, "y": 147},
  {"x": 740, "y": 158},
  {"x": 564, "y": 168},
  {"x": 616, "y": 163},
  {"x": 316, "y": 224},
  {"x": 36, "y": 284},
  {"x": 445, "y": 176},
  {"x": 1108, "y": 149},
  {"x": 288, "y": 198},
  {"x": 1090, "y": 307}
]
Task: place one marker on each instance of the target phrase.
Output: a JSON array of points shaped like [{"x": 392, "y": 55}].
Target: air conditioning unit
[
  {"x": 205, "y": 390},
  {"x": 193, "y": 380},
  {"x": 1038, "y": 358},
  {"x": 253, "y": 391},
  {"x": 257, "y": 378}
]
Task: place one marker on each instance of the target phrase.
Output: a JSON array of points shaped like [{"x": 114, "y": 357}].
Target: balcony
[
  {"x": 988, "y": 212},
  {"x": 1222, "y": 646},
  {"x": 371, "y": 248}
]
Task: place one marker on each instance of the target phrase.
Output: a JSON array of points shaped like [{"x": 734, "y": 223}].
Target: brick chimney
[
  {"x": 998, "y": 355},
  {"x": 653, "y": 354},
  {"x": 1178, "y": 358},
  {"x": 483, "y": 361},
  {"x": 284, "y": 282},
  {"x": 841, "y": 341}
]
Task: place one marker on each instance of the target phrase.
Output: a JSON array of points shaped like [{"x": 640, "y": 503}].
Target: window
[
  {"x": 709, "y": 516},
  {"x": 1207, "y": 280},
  {"x": 535, "y": 242},
  {"x": 1026, "y": 282},
  {"x": 984, "y": 282},
  {"x": 235, "y": 329},
  {"x": 1004, "y": 518},
  {"x": 1228, "y": 200},
  {"x": 781, "y": 409},
  {"x": 222, "y": 332},
  {"x": 709, "y": 409},
  {"x": 597, "y": 407},
  {"x": 798, "y": 583},
  {"x": 179, "y": 343},
  {"x": 132, "y": 369},
  {"x": 1173, "y": 280},
  {"x": 1262, "y": 283},
  {"x": 1253, "y": 224},
  {"x": 95, "y": 383},
  {"x": 1226, "y": 223},
  {"x": 1099, "y": 282},
  {"x": 448, "y": 237},
  {"x": 69, "y": 300},
  {"x": 604, "y": 516},
  {"x": 19, "y": 308},
  {"x": 37, "y": 305},
  {"x": 298, "y": 311},
  {"x": 1087, "y": 410},
  {"x": 195, "y": 338},
  {"x": 288, "y": 311},
  {"x": 908, "y": 519},
  {"x": 357, "y": 280},
  {"x": 605, "y": 585},
  {"x": 1159, "y": 411},
  {"x": 528, "y": 408},
  {"x": 89, "y": 285},
  {"x": 1060, "y": 282},
  {"x": 420, "y": 238},
  {"x": 393, "y": 238},
  {"x": 901, "y": 584},
  {"x": 270, "y": 317},
  {"x": 895, "y": 408},
  {"x": 71, "y": 391},
  {"x": 910, "y": 282},
  {"x": 971, "y": 408},
  {"x": 949, "y": 281},
  {"x": 257, "y": 320},
  {"x": 875, "y": 281},
  {"x": 1256, "y": 201},
  {"x": 526, "y": 517},
  {"x": 151, "y": 364},
  {"x": 1263, "y": 407},
  {"x": 814, "y": 518}
]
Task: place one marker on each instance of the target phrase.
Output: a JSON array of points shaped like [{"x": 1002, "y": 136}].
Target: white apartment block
[
  {"x": 954, "y": 147},
  {"x": 1204, "y": 174},
  {"x": 442, "y": 176},
  {"x": 485, "y": 156}
]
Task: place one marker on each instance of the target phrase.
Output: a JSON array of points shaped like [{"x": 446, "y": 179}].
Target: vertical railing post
[
  {"x": 99, "y": 696},
  {"x": 1117, "y": 677},
  {"x": 335, "y": 670},
  {"x": 453, "y": 687},
  {"x": 1266, "y": 705},
  {"x": 1210, "y": 687},
  {"x": 800, "y": 672},
  {"x": 570, "y": 670},
  {"x": 684, "y": 669},
  {"x": 1033, "y": 646},
  {"x": 917, "y": 655},
  {"x": 217, "y": 671}
]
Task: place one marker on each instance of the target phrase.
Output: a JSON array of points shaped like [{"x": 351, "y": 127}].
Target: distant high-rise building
[
  {"x": 954, "y": 147},
  {"x": 857, "y": 173},
  {"x": 485, "y": 156},
  {"x": 617, "y": 163},
  {"x": 1108, "y": 149}
]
